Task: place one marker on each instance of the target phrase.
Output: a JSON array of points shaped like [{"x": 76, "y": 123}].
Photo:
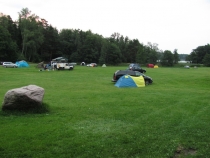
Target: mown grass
[{"x": 87, "y": 116}]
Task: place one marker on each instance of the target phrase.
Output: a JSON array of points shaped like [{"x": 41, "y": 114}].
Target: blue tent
[
  {"x": 22, "y": 63},
  {"x": 130, "y": 81}
]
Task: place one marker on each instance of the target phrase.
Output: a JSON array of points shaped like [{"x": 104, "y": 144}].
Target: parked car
[
  {"x": 9, "y": 64},
  {"x": 186, "y": 66},
  {"x": 64, "y": 66},
  {"x": 148, "y": 80},
  {"x": 136, "y": 67},
  {"x": 92, "y": 65}
]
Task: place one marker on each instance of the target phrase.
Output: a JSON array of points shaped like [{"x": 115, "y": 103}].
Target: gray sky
[{"x": 172, "y": 24}]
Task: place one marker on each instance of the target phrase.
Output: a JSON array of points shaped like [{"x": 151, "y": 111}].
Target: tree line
[
  {"x": 32, "y": 39},
  {"x": 200, "y": 55}
]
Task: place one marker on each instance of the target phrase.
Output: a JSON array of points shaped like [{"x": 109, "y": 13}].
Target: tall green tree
[
  {"x": 167, "y": 59},
  {"x": 8, "y": 43},
  {"x": 132, "y": 50},
  {"x": 31, "y": 32},
  {"x": 206, "y": 60},
  {"x": 188, "y": 58},
  {"x": 152, "y": 52},
  {"x": 193, "y": 57},
  {"x": 91, "y": 47},
  {"x": 67, "y": 43},
  {"x": 152, "y": 57},
  {"x": 141, "y": 55},
  {"x": 103, "y": 54},
  {"x": 198, "y": 54},
  {"x": 123, "y": 44},
  {"x": 176, "y": 56},
  {"x": 113, "y": 54},
  {"x": 50, "y": 46}
]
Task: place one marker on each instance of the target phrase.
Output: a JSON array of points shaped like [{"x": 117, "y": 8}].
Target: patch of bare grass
[{"x": 183, "y": 152}]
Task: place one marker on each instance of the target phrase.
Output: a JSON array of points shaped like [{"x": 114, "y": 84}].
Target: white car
[
  {"x": 92, "y": 65},
  {"x": 64, "y": 66},
  {"x": 9, "y": 64}
]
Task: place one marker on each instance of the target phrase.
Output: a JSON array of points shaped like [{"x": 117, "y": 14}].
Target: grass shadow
[{"x": 44, "y": 108}]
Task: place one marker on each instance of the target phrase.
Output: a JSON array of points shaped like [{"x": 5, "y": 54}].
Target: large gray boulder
[{"x": 23, "y": 98}]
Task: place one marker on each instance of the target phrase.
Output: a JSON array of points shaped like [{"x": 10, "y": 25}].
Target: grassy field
[{"x": 88, "y": 117}]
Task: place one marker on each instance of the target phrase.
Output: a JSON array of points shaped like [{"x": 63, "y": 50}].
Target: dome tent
[
  {"x": 104, "y": 65},
  {"x": 130, "y": 81},
  {"x": 22, "y": 63},
  {"x": 82, "y": 63}
]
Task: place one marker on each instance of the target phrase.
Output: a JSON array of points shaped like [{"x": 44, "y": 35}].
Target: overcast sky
[{"x": 172, "y": 24}]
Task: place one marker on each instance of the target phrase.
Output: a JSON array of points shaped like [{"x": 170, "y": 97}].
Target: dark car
[
  {"x": 136, "y": 67},
  {"x": 148, "y": 80}
]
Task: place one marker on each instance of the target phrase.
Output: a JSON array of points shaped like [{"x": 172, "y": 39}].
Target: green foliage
[
  {"x": 85, "y": 115},
  {"x": 103, "y": 53},
  {"x": 8, "y": 45},
  {"x": 206, "y": 59},
  {"x": 50, "y": 47},
  {"x": 152, "y": 52},
  {"x": 91, "y": 48},
  {"x": 141, "y": 56},
  {"x": 113, "y": 54},
  {"x": 152, "y": 58},
  {"x": 184, "y": 57},
  {"x": 132, "y": 50},
  {"x": 31, "y": 32},
  {"x": 167, "y": 59},
  {"x": 176, "y": 57},
  {"x": 197, "y": 55},
  {"x": 68, "y": 44},
  {"x": 21, "y": 57}
]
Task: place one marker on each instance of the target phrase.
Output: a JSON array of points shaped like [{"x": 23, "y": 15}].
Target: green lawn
[{"x": 89, "y": 117}]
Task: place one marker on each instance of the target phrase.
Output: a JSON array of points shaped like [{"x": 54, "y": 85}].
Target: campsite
[{"x": 87, "y": 116}]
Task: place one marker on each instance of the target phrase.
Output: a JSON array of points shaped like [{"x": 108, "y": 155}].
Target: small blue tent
[
  {"x": 130, "y": 81},
  {"x": 22, "y": 63}
]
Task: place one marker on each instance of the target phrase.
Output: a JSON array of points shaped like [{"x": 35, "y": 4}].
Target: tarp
[
  {"x": 22, "y": 63},
  {"x": 130, "y": 81}
]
